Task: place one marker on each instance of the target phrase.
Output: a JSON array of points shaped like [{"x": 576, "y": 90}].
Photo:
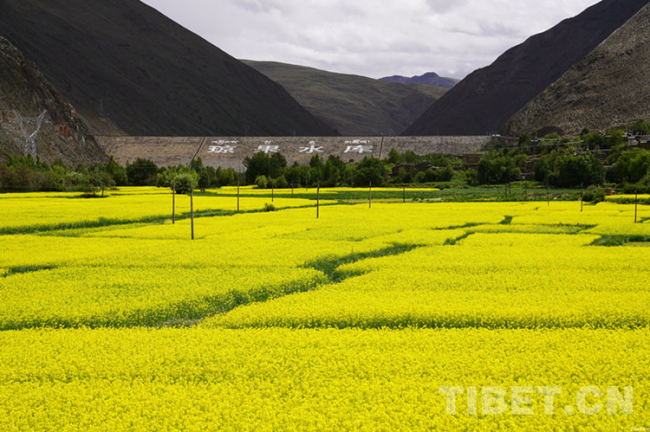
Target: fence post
[
  {"x": 174, "y": 201},
  {"x": 370, "y": 195}
]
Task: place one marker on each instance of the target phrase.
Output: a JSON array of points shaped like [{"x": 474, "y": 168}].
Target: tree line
[{"x": 590, "y": 159}]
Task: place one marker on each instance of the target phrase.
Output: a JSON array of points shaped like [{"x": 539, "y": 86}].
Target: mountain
[
  {"x": 25, "y": 95},
  {"x": 123, "y": 60},
  {"x": 608, "y": 88},
  {"x": 351, "y": 104},
  {"x": 487, "y": 98},
  {"x": 430, "y": 78}
]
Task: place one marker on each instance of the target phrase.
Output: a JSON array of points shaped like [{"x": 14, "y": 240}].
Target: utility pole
[{"x": 192, "y": 208}]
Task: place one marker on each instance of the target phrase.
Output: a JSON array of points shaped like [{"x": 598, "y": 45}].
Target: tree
[
  {"x": 185, "y": 182},
  {"x": 226, "y": 177},
  {"x": 594, "y": 139},
  {"x": 394, "y": 157},
  {"x": 525, "y": 140},
  {"x": 500, "y": 167},
  {"x": 196, "y": 165},
  {"x": 100, "y": 180},
  {"x": 562, "y": 169},
  {"x": 142, "y": 172},
  {"x": 640, "y": 127},
  {"x": 369, "y": 170},
  {"x": 317, "y": 167},
  {"x": 633, "y": 165},
  {"x": 204, "y": 180},
  {"x": 117, "y": 172},
  {"x": 615, "y": 137},
  {"x": 257, "y": 165},
  {"x": 261, "y": 182}
]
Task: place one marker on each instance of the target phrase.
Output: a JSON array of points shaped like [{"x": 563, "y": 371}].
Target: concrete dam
[{"x": 229, "y": 152}]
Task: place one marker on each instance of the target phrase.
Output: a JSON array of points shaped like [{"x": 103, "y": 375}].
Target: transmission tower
[{"x": 30, "y": 139}]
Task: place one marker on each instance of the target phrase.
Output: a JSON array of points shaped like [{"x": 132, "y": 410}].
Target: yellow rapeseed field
[{"x": 395, "y": 316}]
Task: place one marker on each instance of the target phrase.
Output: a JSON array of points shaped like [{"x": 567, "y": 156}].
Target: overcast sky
[{"x": 373, "y": 38}]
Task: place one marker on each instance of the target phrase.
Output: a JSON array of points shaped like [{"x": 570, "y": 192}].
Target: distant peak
[{"x": 429, "y": 78}]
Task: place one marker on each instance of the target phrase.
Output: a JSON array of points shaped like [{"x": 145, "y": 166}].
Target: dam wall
[{"x": 229, "y": 152}]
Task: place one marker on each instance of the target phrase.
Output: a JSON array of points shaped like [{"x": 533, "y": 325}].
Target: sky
[{"x": 373, "y": 38}]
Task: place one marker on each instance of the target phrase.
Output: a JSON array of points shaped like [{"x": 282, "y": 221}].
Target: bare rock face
[
  {"x": 485, "y": 100},
  {"x": 609, "y": 87},
  {"x": 27, "y": 101}
]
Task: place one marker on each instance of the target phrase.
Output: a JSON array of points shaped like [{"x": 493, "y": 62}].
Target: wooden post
[
  {"x": 404, "y": 194},
  {"x": 237, "y": 191},
  {"x": 318, "y": 201},
  {"x": 526, "y": 191},
  {"x": 272, "y": 190},
  {"x": 370, "y": 195},
  {"x": 174, "y": 201},
  {"x": 636, "y": 205},
  {"x": 548, "y": 197},
  {"x": 192, "y": 208},
  {"x": 292, "y": 190}
]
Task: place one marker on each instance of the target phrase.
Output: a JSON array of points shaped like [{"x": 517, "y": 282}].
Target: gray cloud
[{"x": 374, "y": 38}]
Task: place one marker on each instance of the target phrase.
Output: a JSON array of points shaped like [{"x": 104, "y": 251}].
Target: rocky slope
[
  {"x": 608, "y": 88},
  {"x": 26, "y": 94},
  {"x": 487, "y": 98},
  {"x": 352, "y": 104},
  {"x": 127, "y": 62},
  {"x": 430, "y": 78}
]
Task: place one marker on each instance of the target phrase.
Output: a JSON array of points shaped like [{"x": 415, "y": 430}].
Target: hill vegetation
[
  {"x": 127, "y": 62},
  {"x": 485, "y": 100},
  {"x": 352, "y": 104}
]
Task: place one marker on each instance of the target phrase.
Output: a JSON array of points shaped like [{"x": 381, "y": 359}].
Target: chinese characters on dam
[
  {"x": 356, "y": 146},
  {"x": 230, "y": 152}
]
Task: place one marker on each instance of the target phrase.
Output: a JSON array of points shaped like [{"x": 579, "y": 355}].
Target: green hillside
[{"x": 352, "y": 104}]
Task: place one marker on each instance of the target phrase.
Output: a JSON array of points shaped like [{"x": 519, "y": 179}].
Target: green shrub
[
  {"x": 593, "y": 195},
  {"x": 261, "y": 182}
]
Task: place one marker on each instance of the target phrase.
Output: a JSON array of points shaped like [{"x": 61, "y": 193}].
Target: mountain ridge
[
  {"x": 608, "y": 88},
  {"x": 485, "y": 100},
  {"x": 429, "y": 78},
  {"x": 353, "y": 105},
  {"x": 150, "y": 75}
]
